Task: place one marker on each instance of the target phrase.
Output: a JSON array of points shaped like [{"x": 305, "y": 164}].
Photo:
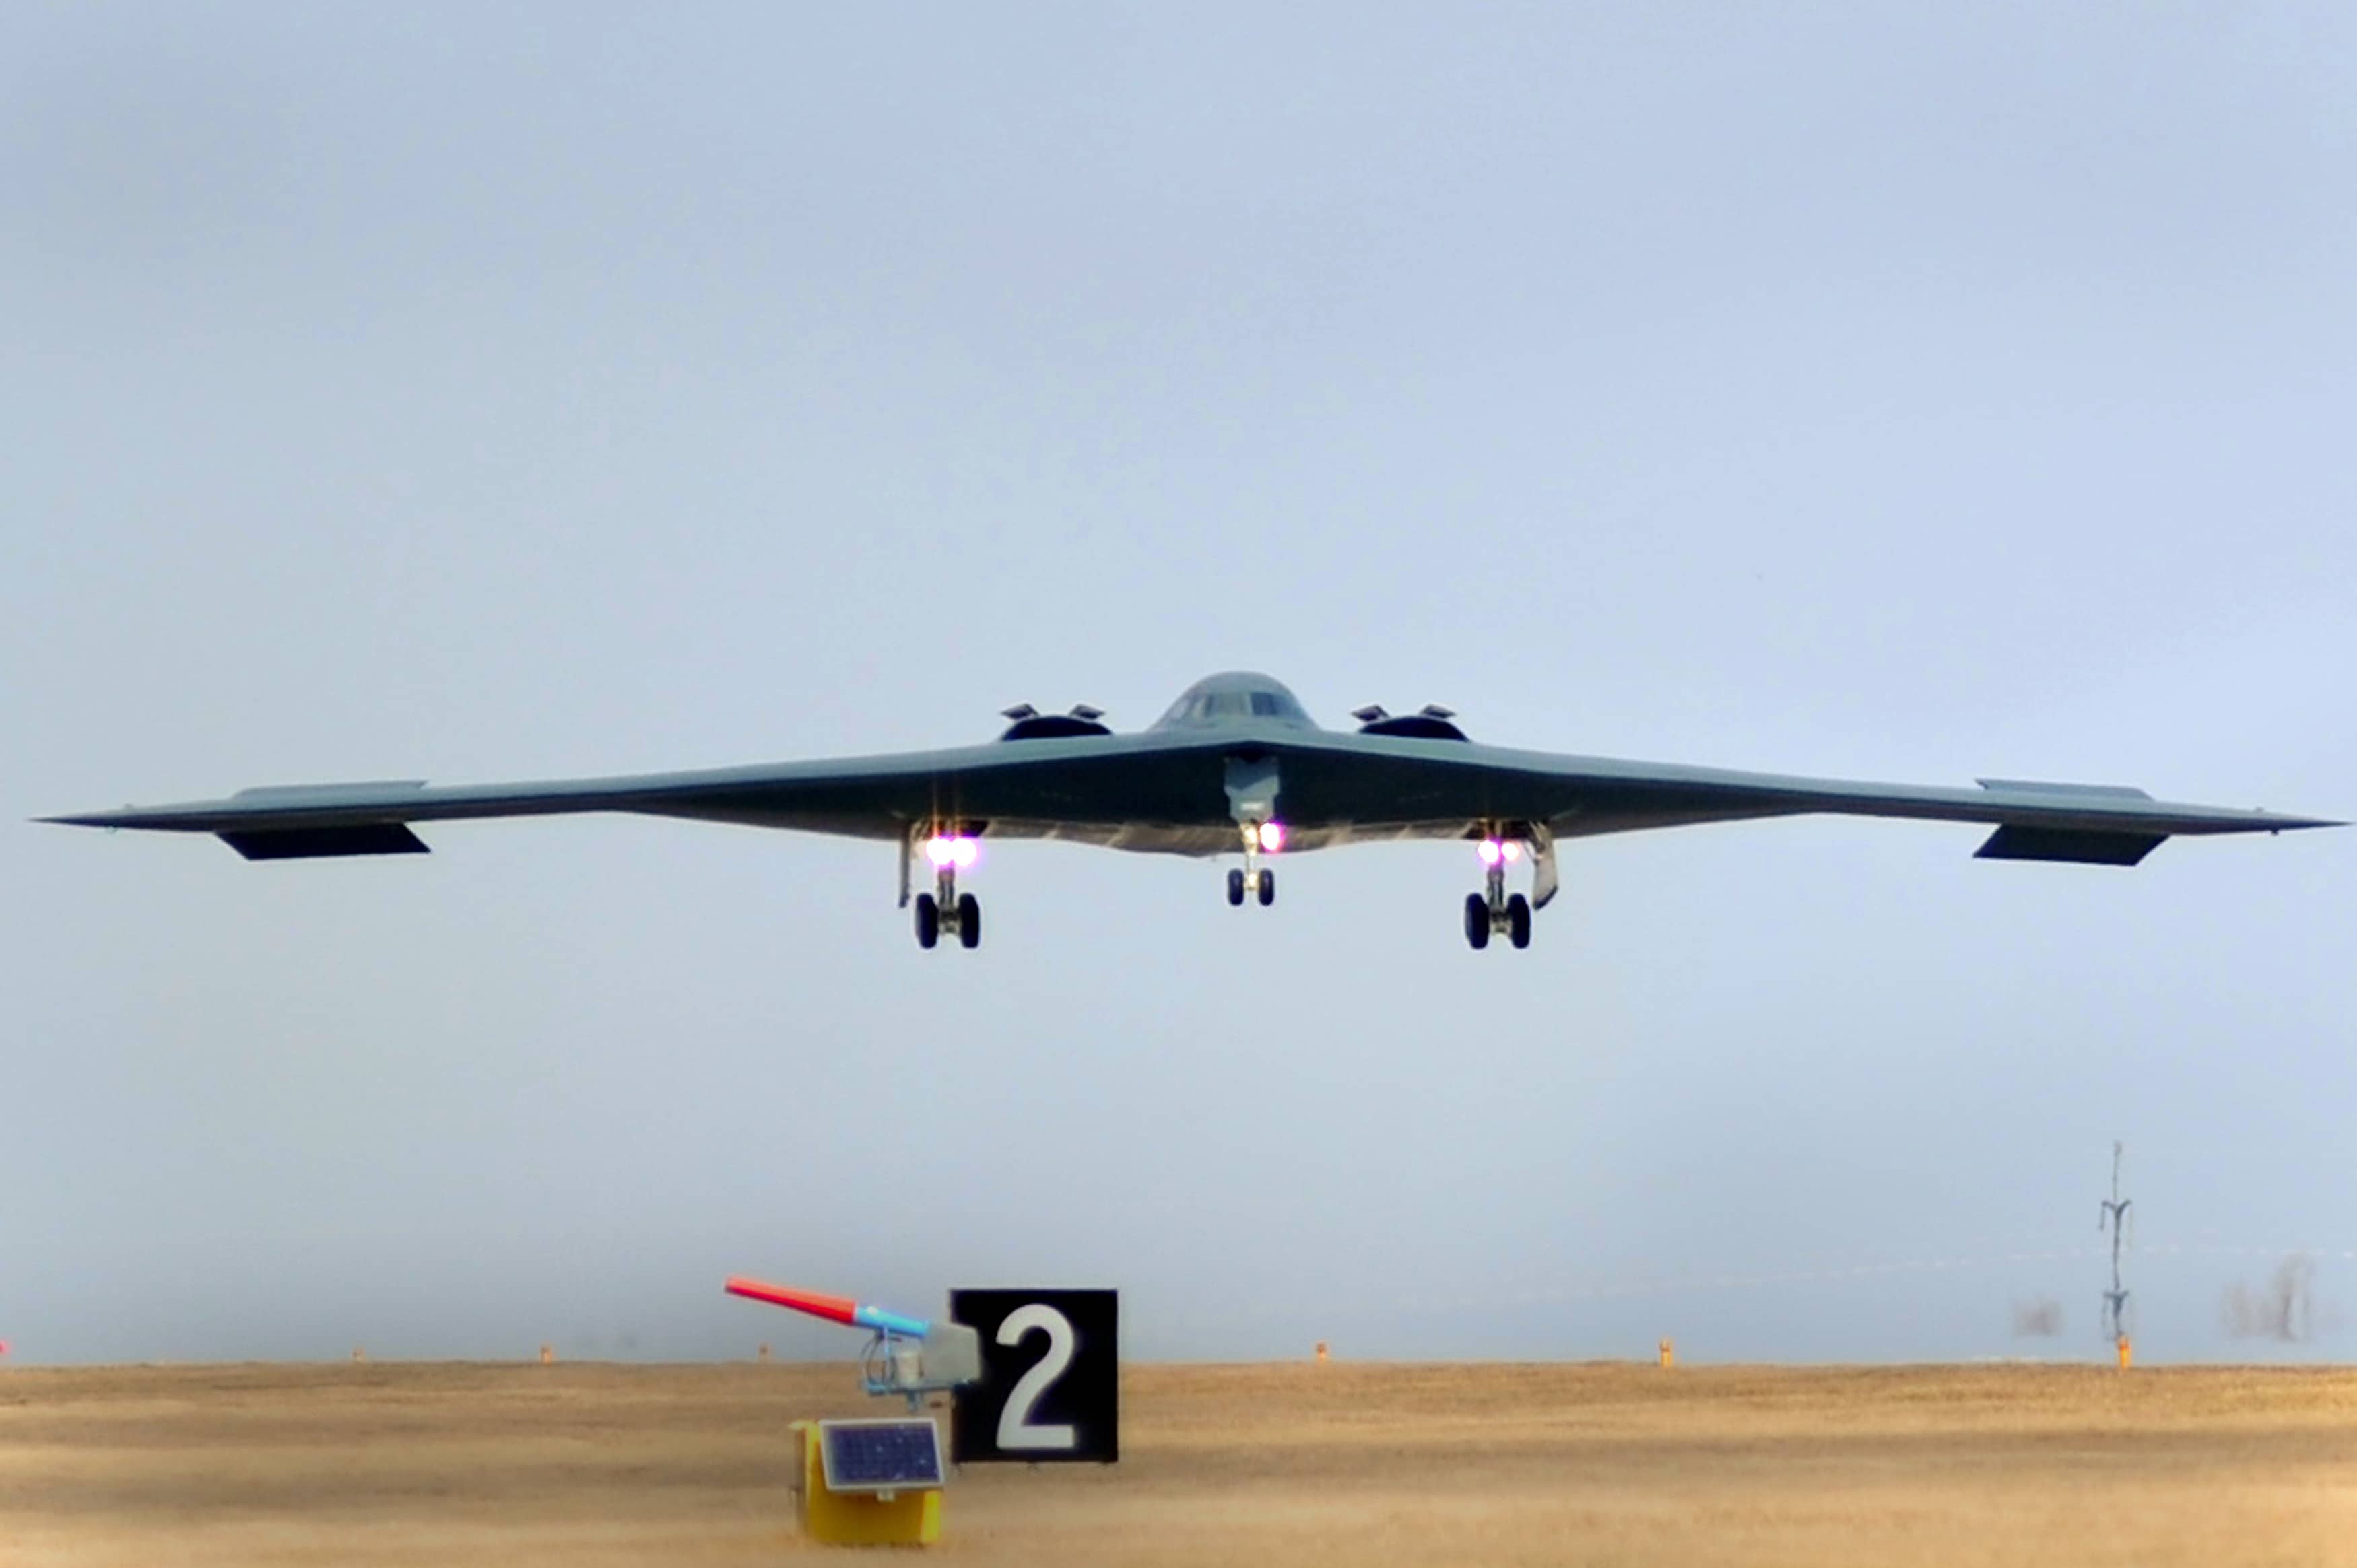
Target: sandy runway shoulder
[{"x": 587, "y": 1464}]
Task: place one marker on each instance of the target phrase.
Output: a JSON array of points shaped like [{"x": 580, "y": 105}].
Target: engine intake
[
  {"x": 1031, "y": 723},
  {"x": 1427, "y": 723}
]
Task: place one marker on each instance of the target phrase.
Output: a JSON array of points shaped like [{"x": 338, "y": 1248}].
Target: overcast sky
[{"x": 1898, "y": 394}]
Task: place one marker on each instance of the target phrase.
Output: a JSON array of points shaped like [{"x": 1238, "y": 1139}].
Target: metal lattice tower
[{"x": 2114, "y": 1218}]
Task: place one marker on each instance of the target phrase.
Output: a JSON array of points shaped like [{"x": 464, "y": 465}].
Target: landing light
[
  {"x": 959, "y": 852},
  {"x": 1491, "y": 852},
  {"x": 1272, "y": 837}
]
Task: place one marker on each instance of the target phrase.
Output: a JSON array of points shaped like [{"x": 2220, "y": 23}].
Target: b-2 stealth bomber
[{"x": 1236, "y": 767}]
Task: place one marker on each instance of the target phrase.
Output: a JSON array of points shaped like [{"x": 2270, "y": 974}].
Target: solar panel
[{"x": 880, "y": 1455}]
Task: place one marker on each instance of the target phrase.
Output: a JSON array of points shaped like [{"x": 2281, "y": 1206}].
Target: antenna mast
[{"x": 2113, "y": 1218}]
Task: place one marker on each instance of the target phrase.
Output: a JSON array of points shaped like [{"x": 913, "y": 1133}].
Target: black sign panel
[{"x": 1051, "y": 1385}]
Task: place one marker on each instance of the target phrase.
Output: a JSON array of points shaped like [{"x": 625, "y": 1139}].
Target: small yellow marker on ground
[
  {"x": 1321, "y": 1352},
  {"x": 547, "y": 1354},
  {"x": 1669, "y": 1352},
  {"x": 2127, "y": 1355}
]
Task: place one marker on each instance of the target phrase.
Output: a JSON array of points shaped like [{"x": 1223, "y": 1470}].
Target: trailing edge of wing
[
  {"x": 2014, "y": 842},
  {"x": 320, "y": 844}
]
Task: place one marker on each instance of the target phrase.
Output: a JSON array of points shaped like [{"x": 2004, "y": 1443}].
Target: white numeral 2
[{"x": 1014, "y": 1428}]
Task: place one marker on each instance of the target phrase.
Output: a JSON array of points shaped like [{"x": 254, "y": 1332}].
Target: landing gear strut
[
  {"x": 1251, "y": 786},
  {"x": 1256, "y": 880},
  {"x": 945, "y": 909},
  {"x": 1490, "y": 912}
]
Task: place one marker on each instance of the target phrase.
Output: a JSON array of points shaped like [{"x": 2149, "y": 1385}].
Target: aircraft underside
[{"x": 951, "y": 847}]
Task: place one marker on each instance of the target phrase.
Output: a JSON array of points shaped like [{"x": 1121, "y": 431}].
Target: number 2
[{"x": 1014, "y": 1428}]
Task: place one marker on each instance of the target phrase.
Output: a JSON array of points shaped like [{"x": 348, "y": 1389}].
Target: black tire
[
  {"x": 1476, "y": 921},
  {"x": 929, "y": 921},
  {"x": 1267, "y": 888},
  {"x": 1235, "y": 887},
  {"x": 1518, "y": 920},
  {"x": 969, "y": 921}
]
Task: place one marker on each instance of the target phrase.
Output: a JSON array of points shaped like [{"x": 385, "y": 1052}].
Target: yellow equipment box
[{"x": 870, "y": 1483}]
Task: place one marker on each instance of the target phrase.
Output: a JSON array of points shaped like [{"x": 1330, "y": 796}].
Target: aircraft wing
[
  {"x": 1098, "y": 781},
  {"x": 1330, "y": 787},
  {"x": 1377, "y": 781}
]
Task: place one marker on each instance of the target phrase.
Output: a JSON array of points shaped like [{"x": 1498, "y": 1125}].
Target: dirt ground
[{"x": 593, "y": 1465}]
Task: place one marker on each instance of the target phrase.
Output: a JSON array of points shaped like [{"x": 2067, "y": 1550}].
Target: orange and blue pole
[{"x": 833, "y": 1308}]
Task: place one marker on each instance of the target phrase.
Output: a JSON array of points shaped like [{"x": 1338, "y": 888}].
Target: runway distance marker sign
[{"x": 1050, "y": 1386}]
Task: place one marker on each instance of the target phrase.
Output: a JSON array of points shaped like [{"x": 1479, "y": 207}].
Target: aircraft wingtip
[{"x": 2284, "y": 822}]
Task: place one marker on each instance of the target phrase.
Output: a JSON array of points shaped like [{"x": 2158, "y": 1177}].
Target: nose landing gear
[
  {"x": 1256, "y": 880},
  {"x": 1490, "y": 912}
]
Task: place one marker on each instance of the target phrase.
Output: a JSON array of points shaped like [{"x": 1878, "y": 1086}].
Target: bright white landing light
[
  {"x": 1272, "y": 837},
  {"x": 1491, "y": 852},
  {"x": 943, "y": 850}
]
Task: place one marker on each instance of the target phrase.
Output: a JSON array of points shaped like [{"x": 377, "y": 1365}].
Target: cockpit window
[
  {"x": 1235, "y": 705},
  {"x": 1224, "y": 698}
]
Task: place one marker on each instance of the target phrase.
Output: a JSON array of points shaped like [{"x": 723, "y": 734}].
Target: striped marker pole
[{"x": 833, "y": 1308}]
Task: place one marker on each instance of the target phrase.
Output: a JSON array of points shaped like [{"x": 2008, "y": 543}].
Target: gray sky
[{"x": 1847, "y": 390}]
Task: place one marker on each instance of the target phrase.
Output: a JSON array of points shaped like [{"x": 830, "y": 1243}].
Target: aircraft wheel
[
  {"x": 969, "y": 909},
  {"x": 1476, "y": 921},
  {"x": 929, "y": 921},
  {"x": 1267, "y": 888},
  {"x": 1518, "y": 920},
  {"x": 1236, "y": 888}
]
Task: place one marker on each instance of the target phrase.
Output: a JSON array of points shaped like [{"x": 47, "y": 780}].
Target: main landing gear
[
  {"x": 1490, "y": 912},
  {"x": 945, "y": 910},
  {"x": 1255, "y": 879}
]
